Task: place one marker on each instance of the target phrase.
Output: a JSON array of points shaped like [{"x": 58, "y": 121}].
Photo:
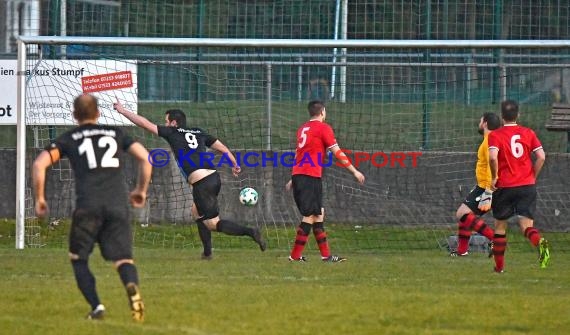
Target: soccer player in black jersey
[
  {"x": 101, "y": 212},
  {"x": 187, "y": 145}
]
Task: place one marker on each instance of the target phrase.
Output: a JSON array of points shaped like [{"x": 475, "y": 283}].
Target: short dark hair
[
  {"x": 315, "y": 107},
  {"x": 493, "y": 120},
  {"x": 178, "y": 116},
  {"x": 509, "y": 110},
  {"x": 85, "y": 107}
]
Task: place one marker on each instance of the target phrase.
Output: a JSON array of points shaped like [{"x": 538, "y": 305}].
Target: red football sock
[
  {"x": 464, "y": 232},
  {"x": 321, "y": 237},
  {"x": 481, "y": 227},
  {"x": 533, "y": 235},
  {"x": 499, "y": 247},
  {"x": 463, "y": 236},
  {"x": 300, "y": 240}
]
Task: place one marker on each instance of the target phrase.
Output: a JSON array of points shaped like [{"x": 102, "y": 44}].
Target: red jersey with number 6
[
  {"x": 515, "y": 144},
  {"x": 314, "y": 138}
]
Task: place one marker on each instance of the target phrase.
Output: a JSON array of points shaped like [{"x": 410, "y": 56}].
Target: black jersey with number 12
[{"x": 95, "y": 154}]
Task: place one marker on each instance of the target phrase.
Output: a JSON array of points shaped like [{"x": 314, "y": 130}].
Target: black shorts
[
  {"x": 107, "y": 225},
  {"x": 205, "y": 192},
  {"x": 510, "y": 201},
  {"x": 472, "y": 200},
  {"x": 308, "y": 194}
]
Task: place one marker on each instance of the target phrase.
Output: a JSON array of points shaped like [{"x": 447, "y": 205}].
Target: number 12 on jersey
[{"x": 108, "y": 160}]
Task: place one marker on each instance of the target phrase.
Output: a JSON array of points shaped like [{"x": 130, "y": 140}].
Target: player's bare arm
[
  {"x": 540, "y": 157},
  {"x": 494, "y": 166},
  {"x": 41, "y": 164},
  {"x": 138, "y": 195},
  {"x": 139, "y": 120},
  {"x": 222, "y": 148},
  {"x": 337, "y": 152}
]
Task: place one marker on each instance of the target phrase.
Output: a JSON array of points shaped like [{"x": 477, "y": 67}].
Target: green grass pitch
[
  {"x": 244, "y": 291},
  {"x": 396, "y": 281}
]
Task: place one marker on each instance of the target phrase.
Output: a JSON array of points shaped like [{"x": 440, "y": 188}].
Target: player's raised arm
[
  {"x": 220, "y": 147},
  {"x": 139, "y": 120},
  {"x": 337, "y": 152},
  {"x": 138, "y": 195},
  {"x": 41, "y": 164}
]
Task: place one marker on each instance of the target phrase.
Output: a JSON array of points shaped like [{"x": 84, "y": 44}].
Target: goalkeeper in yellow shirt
[{"x": 478, "y": 202}]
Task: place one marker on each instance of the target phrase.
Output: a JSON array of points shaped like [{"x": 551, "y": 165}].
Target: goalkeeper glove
[{"x": 486, "y": 200}]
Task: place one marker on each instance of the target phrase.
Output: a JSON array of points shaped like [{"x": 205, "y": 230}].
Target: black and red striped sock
[
  {"x": 499, "y": 247},
  {"x": 300, "y": 240},
  {"x": 463, "y": 236},
  {"x": 321, "y": 237},
  {"x": 533, "y": 235},
  {"x": 481, "y": 227}
]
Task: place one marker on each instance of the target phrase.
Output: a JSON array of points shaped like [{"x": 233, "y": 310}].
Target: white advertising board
[
  {"x": 52, "y": 86},
  {"x": 8, "y": 91}
]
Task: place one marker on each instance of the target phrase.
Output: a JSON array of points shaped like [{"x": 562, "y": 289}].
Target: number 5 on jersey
[{"x": 303, "y": 137}]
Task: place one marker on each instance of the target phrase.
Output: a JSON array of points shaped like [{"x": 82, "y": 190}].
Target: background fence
[
  {"x": 183, "y": 75},
  {"x": 427, "y": 100}
]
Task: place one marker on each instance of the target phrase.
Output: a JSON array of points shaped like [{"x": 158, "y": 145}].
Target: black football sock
[
  {"x": 86, "y": 282},
  {"x": 321, "y": 237},
  {"x": 231, "y": 228},
  {"x": 128, "y": 273},
  {"x": 205, "y": 236}
]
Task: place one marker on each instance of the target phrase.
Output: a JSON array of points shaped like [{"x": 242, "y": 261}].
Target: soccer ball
[{"x": 248, "y": 196}]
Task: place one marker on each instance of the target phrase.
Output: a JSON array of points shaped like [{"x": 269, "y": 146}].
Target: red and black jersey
[
  {"x": 515, "y": 145},
  {"x": 95, "y": 153},
  {"x": 314, "y": 138},
  {"x": 187, "y": 146}
]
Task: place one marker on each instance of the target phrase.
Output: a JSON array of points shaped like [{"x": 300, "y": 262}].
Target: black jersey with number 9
[{"x": 188, "y": 147}]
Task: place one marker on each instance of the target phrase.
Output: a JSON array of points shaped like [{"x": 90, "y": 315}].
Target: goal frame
[{"x": 342, "y": 44}]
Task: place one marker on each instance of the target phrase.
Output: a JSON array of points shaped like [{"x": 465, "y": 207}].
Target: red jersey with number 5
[
  {"x": 314, "y": 138},
  {"x": 515, "y": 144}
]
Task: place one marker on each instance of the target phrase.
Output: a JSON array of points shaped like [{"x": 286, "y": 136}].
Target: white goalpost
[{"x": 253, "y": 111}]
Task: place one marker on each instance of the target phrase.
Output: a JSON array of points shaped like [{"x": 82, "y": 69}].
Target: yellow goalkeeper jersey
[{"x": 482, "y": 169}]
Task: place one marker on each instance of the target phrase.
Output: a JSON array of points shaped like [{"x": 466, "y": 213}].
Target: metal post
[
  {"x": 197, "y": 76},
  {"x": 21, "y": 148},
  {"x": 445, "y": 19},
  {"x": 300, "y": 80},
  {"x": 469, "y": 76},
  {"x": 426, "y": 108},
  {"x": 63, "y": 25},
  {"x": 498, "y": 27},
  {"x": 333, "y": 72},
  {"x": 344, "y": 33},
  {"x": 503, "y": 82},
  {"x": 268, "y": 92},
  {"x": 63, "y": 54}
]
